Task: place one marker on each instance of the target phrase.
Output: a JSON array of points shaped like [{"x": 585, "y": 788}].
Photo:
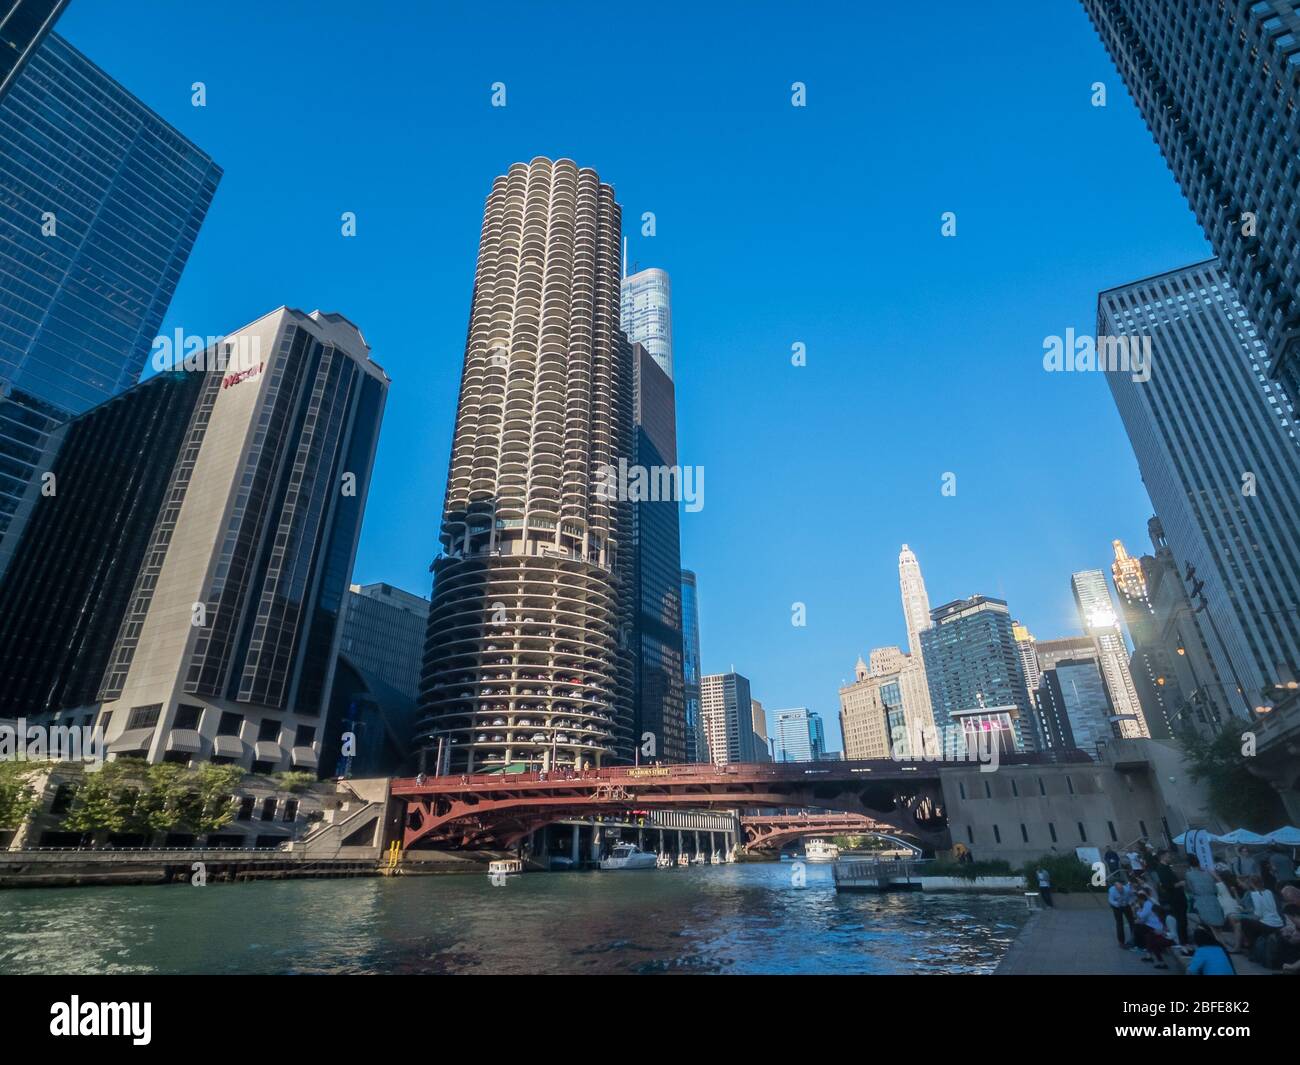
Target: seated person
[{"x": 1210, "y": 958}]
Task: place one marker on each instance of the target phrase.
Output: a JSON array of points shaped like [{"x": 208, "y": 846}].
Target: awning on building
[
  {"x": 136, "y": 739},
  {"x": 268, "y": 751},
  {"x": 228, "y": 747},
  {"x": 305, "y": 757},
  {"x": 184, "y": 739}
]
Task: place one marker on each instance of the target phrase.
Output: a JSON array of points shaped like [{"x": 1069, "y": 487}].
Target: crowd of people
[{"x": 1246, "y": 904}]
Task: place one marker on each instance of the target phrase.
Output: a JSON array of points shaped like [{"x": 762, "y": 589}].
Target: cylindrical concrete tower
[{"x": 526, "y": 660}]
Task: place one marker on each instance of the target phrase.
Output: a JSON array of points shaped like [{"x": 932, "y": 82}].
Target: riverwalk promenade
[{"x": 1075, "y": 937}]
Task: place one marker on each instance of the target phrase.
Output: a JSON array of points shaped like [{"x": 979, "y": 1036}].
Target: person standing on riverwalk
[
  {"x": 1045, "y": 886},
  {"x": 1118, "y": 895}
]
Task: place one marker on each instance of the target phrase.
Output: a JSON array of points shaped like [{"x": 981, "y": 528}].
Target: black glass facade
[
  {"x": 79, "y": 538},
  {"x": 660, "y": 696},
  {"x": 23, "y": 26}
]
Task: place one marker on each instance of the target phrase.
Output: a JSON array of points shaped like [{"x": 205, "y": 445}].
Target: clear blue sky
[{"x": 777, "y": 224}]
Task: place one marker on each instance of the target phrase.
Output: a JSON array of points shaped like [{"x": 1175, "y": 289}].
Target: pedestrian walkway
[{"x": 1077, "y": 937}]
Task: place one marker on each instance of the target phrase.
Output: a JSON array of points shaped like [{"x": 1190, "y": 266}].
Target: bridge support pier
[
  {"x": 595, "y": 842},
  {"x": 574, "y": 853}
]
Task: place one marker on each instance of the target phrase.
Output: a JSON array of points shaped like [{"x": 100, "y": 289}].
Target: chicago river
[{"x": 743, "y": 918}]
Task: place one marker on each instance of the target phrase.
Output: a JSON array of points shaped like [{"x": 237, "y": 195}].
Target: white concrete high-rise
[{"x": 916, "y": 615}]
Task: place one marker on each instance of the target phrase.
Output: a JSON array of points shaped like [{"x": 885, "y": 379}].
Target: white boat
[
  {"x": 818, "y": 850},
  {"x": 505, "y": 867},
  {"x": 698, "y": 860},
  {"x": 629, "y": 856},
  {"x": 663, "y": 862},
  {"x": 714, "y": 859},
  {"x": 683, "y": 859}
]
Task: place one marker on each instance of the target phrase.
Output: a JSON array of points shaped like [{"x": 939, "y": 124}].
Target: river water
[{"x": 743, "y": 918}]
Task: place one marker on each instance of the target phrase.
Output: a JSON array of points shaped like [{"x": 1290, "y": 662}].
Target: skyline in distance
[{"x": 923, "y": 353}]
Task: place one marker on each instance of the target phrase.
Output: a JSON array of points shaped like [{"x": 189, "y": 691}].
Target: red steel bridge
[
  {"x": 492, "y": 810},
  {"x": 772, "y": 833}
]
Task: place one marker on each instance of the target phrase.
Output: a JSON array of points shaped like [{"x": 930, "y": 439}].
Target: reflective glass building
[
  {"x": 1215, "y": 440},
  {"x": 647, "y": 315},
  {"x": 696, "y": 748},
  {"x": 23, "y": 26},
  {"x": 100, "y": 203},
  {"x": 660, "y": 705}
]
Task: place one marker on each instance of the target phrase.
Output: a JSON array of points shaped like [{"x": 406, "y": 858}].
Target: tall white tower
[
  {"x": 916, "y": 604},
  {"x": 916, "y": 614}
]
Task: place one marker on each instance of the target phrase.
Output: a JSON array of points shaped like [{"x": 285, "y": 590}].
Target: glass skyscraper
[
  {"x": 657, "y": 570},
  {"x": 800, "y": 736},
  {"x": 696, "y": 749},
  {"x": 1217, "y": 82},
  {"x": 1099, "y": 620},
  {"x": 23, "y": 26},
  {"x": 972, "y": 665},
  {"x": 647, "y": 315},
  {"x": 1215, "y": 441},
  {"x": 100, "y": 203}
]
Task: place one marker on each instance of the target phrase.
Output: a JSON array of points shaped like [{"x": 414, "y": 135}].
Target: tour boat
[
  {"x": 505, "y": 867},
  {"x": 818, "y": 850},
  {"x": 629, "y": 856}
]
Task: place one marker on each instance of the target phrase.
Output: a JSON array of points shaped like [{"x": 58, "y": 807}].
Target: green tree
[
  {"x": 106, "y": 799},
  {"x": 295, "y": 781},
  {"x": 18, "y": 797},
  {"x": 1236, "y": 795}
]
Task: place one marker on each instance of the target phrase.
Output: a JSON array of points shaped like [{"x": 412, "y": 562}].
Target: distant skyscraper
[
  {"x": 647, "y": 315},
  {"x": 532, "y": 619},
  {"x": 1099, "y": 620},
  {"x": 873, "y": 719},
  {"x": 1075, "y": 709},
  {"x": 762, "y": 753},
  {"x": 972, "y": 665},
  {"x": 912, "y": 677},
  {"x": 1216, "y": 444},
  {"x": 696, "y": 748},
  {"x": 659, "y": 700},
  {"x": 23, "y": 26},
  {"x": 1217, "y": 84},
  {"x": 800, "y": 736},
  {"x": 1147, "y": 665},
  {"x": 727, "y": 709},
  {"x": 228, "y": 646},
  {"x": 72, "y": 555},
  {"x": 100, "y": 202},
  {"x": 377, "y": 681},
  {"x": 1025, "y": 645}
]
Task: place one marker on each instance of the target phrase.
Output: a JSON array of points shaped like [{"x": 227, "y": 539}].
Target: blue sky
[{"x": 778, "y": 224}]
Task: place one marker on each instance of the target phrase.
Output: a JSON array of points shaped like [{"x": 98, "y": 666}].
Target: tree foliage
[
  {"x": 18, "y": 797},
  {"x": 129, "y": 796},
  {"x": 1236, "y": 795}
]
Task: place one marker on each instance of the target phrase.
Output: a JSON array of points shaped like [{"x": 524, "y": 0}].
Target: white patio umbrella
[
  {"x": 1287, "y": 837},
  {"x": 1242, "y": 835}
]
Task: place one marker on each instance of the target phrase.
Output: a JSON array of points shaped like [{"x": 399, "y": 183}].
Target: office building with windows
[
  {"x": 1099, "y": 620},
  {"x": 647, "y": 315},
  {"x": 972, "y": 666},
  {"x": 228, "y": 647},
  {"x": 529, "y": 658},
  {"x": 24, "y": 24},
  {"x": 1148, "y": 666},
  {"x": 800, "y": 736},
  {"x": 696, "y": 748},
  {"x": 1218, "y": 84},
  {"x": 1215, "y": 441},
  {"x": 78, "y": 540},
  {"x": 376, "y": 683},
  {"x": 102, "y": 201},
  {"x": 1074, "y": 707},
  {"x": 727, "y": 710},
  {"x": 659, "y": 698}
]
